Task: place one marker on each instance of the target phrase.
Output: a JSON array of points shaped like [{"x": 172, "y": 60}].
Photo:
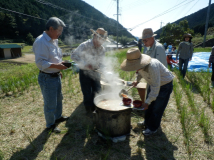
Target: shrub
[{"x": 29, "y": 39}]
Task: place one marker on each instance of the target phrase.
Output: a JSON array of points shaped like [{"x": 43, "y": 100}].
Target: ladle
[
  {"x": 123, "y": 91},
  {"x": 107, "y": 73}
]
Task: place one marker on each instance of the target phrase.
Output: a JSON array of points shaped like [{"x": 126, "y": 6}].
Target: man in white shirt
[
  {"x": 160, "y": 80},
  {"x": 89, "y": 56},
  {"x": 154, "y": 48},
  {"x": 48, "y": 58}
]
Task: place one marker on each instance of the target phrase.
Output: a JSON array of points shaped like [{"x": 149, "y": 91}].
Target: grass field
[
  {"x": 200, "y": 49},
  {"x": 29, "y": 49},
  {"x": 186, "y": 130}
]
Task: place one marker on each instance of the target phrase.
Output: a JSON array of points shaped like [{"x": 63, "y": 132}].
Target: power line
[
  {"x": 108, "y": 6},
  {"x": 54, "y": 6},
  {"x": 110, "y": 9},
  {"x": 191, "y": 8},
  {"x": 22, "y": 13},
  {"x": 167, "y": 11},
  {"x": 138, "y": 5}
]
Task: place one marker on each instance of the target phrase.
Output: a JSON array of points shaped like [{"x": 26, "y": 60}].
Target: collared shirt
[
  {"x": 86, "y": 54},
  {"x": 157, "y": 51},
  {"x": 156, "y": 75},
  {"x": 47, "y": 52},
  {"x": 185, "y": 49}
]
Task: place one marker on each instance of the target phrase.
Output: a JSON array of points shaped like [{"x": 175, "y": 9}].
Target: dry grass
[
  {"x": 198, "y": 146},
  {"x": 23, "y": 135}
]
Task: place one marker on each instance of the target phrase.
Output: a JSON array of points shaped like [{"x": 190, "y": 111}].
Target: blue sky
[{"x": 135, "y": 12}]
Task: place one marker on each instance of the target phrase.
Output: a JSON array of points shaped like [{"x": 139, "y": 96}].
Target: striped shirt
[{"x": 156, "y": 75}]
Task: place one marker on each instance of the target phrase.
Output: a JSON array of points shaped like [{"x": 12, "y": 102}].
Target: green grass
[
  {"x": 1, "y": 155},
  {"x": 17, "y": 78},
  {"x": 200, "y": 49},
  {"x": 27, "y": 49},
  {"x": 15, "y": 43}
]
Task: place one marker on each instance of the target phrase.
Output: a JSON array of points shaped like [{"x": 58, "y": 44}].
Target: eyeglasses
[{"x": 145, "y": 40}]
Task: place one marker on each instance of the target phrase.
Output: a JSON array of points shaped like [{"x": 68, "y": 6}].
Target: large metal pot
[{"x": 114, "y": 120}]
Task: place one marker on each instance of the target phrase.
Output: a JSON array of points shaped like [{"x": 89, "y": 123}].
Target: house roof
[{"x": 10, "y": 46}]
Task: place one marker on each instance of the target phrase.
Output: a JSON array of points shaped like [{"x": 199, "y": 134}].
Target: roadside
[{"x": 26, "y": 58}]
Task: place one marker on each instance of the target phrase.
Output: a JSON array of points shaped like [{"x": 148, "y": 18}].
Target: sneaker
[
  {"x": 141, "y": 124},
  {"x": 53, "y": 128},
  {"x": 148, "y": 132},
  {"x": 62, "y": 119}
]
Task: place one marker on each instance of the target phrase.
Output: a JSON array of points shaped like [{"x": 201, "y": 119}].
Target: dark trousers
[
  {"x": 140, "y": 47},
  {"x": 90, "y": 85},
  {"x": 212, "y": 78},
  {"x": 169, "y": 66},
  {"x": 183, "y": 69},
  {"x": 156, "y": 109}
]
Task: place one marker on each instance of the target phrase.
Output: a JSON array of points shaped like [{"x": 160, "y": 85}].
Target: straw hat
[
  {"x": 135, "y": 60},
  {"x": 188, "y": 35},
  {"x": 100, "y": 32},
  {"x": 147, "y": 33}
]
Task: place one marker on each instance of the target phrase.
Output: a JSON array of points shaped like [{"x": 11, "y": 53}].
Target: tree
[
  {"x": 8, "y": 25},
  {"x": 173, "y": 33},
  {"x": 29, "y": 39},
  {"x": 124, "y": 40}
]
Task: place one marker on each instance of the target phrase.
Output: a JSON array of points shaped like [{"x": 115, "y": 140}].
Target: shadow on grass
[
  {"x": 157, "y": 146},
  {"x": 33, "y": 149},
  {"x": 82, "y": 141}
]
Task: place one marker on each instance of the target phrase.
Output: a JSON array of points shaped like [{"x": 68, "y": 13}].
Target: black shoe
[
  {"x": 53, "y": 128},
  {"x": 62, "y": 119}
]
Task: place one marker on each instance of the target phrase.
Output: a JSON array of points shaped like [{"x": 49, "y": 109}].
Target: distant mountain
[
  {"x": 197, "y": 20},
  {"x": 78, "y": 15},
  {"x": 137, "y": 38}
]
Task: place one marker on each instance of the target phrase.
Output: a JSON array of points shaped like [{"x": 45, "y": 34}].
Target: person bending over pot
[{"x": 160, "y": 83}]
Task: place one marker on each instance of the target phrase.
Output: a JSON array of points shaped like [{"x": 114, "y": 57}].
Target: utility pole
[
  {"x": 161, "y": 25},
  {"x": 206, "y": 25},
  {"x": 117, "y": 19}
]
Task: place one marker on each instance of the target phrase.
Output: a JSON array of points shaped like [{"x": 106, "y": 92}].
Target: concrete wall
[{"x": 7, "y": 53}]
